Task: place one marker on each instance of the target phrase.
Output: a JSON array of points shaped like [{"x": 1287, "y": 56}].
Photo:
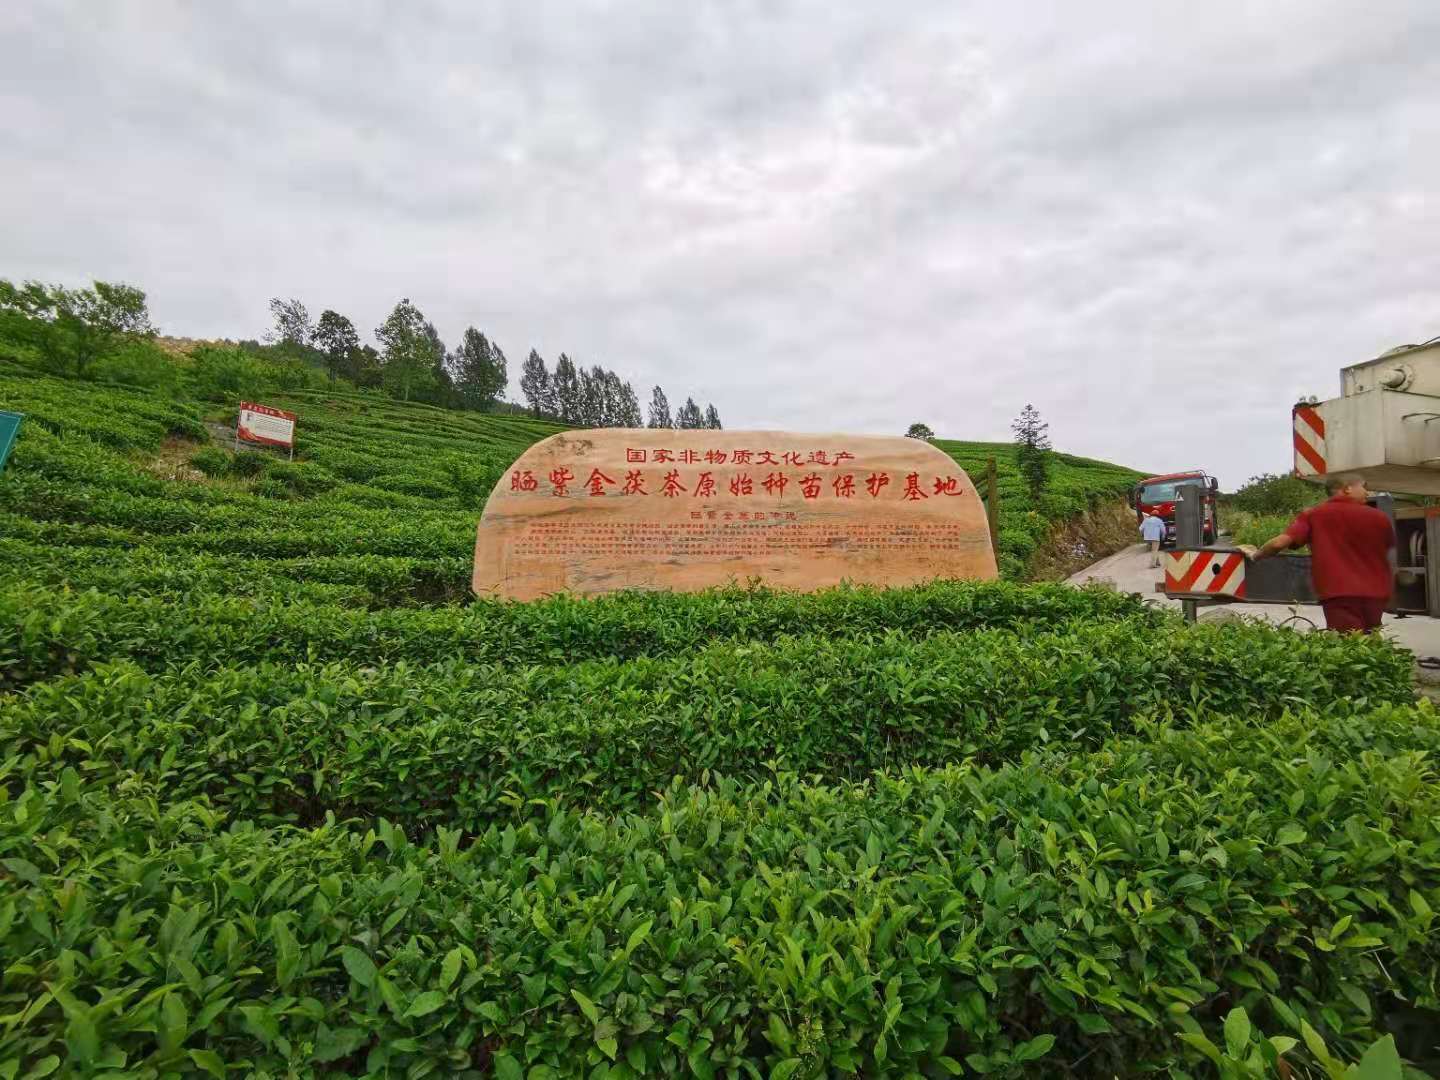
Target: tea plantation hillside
[
  {"x": 117, "y": 488},
  {"x": 278, "y": 799}
]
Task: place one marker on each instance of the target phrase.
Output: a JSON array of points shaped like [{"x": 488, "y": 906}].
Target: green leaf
[
  {"x": 331, "y": 1045},
  {"x": 425, "y": 1004},
  {"x": 608, "y": 1047},
  {"x": 1034, "y": 1048},
  {"x": 173, "y": 1024},
  {"x": 44, "y": 1067},
  {"x": 450, "y": 968},
  {"x": 785, "y": 1069},
  {"x": 360, "y": 966},
  {"x": 1237, "y": 1031},
  {"x": 81, "y": 1036},
  {"x": 1289, "y": 834},
  {"x": 586, "y": 1006},
  {"x": 507, "y": 1068},
  {"x": 638, "y": 935},
  {"x": 210, "y": 1061},
  {"x": 1204, "y": 1045},
  {"x": 23, "y": 869},
  {"x": 1380, "y": 1062}
]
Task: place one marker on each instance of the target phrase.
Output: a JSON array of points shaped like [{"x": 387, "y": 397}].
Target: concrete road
[{"x": 1130, "y": 571}]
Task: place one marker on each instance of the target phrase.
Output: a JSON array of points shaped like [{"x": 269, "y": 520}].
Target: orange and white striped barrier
[
  {"x": 1205, "y": 573},
  {"x": 1309, "y": 441}
]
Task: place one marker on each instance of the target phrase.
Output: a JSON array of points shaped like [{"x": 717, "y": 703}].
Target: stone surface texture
[{"x": 601, "y": 510}]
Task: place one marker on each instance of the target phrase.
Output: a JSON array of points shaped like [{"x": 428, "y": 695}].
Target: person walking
[
  {"x": 1350, "y": 554},
  {"x": 1152, "y": 528}
]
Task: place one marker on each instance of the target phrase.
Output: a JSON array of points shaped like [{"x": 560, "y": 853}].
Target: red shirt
[{"x": 1349, "y": 548}]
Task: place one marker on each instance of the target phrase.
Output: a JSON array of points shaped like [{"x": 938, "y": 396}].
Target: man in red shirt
[{"x": 1350, "y": 545}]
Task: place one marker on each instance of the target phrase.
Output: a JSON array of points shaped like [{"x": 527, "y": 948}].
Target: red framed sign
[{"x": 266, "y": 426}]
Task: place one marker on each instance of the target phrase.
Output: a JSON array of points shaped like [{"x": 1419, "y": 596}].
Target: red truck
[{"x": 1157, "y": 495}]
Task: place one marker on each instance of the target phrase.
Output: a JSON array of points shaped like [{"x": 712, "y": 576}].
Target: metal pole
[
  {"x": 992, "y": 503},
  {"x": 1190, "y": 608}
]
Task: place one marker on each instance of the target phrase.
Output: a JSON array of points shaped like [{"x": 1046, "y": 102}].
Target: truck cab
[{"x": 1158, "y": 494}]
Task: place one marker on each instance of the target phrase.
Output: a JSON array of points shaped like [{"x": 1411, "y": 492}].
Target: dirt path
[{"x": 1130, "y": 571}]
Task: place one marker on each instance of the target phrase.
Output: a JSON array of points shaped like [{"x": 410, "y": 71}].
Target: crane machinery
[{"x": 1384, "y": 427}]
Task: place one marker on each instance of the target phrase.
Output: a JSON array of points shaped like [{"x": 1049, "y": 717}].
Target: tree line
[
  {"x": 413, "y": 363},
  {"x": 597, "y": 398},
  {"x": 80, "y": 332}
]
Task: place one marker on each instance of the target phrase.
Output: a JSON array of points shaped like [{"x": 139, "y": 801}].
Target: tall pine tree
[
  {"x": 630, "y": 408},
  {"x": 689, "y": 416},
  {"x": 659, "y": 410},
  {"x": 1032, "y": 449},
  {"x": 535, "y": 385},
  {"x": 567, "y": 390},
  {"x": 712, "y": 418}
]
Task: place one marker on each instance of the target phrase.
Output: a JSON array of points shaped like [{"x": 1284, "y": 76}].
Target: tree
[
  {"x": 591, "y": 408},
  {"x": 535, "y": 385},
  {"x": 367, "y": 367},
  {"x": 479, "y": 370},
  {"x": 407, "y": 349},
  {"x": 566, "y": 385},
  {"x": 336, "y": 338},
  {"x": 72, "y": 328},
  {"x": 630, "y": 407},
  {"x": 1032, "y": 449},
  {"x": 292, "y": 324},
  {"x": 919, "y": 431},
  {"x": 689, "y": 417},
  {"x": 712, "y": 418},
  {"x": 659, "y": 410}
]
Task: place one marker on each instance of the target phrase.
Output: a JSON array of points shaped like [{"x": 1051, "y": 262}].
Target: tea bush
[
  {"x": 1071, "y": 909},
  {"x": 273, "y": 803},
  {"x": 460, "y": 745},
  {"x": 50, "y": 631}
]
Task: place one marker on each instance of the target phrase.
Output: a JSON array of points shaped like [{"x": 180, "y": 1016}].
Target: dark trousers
[{"x": 1353, "y": 614}]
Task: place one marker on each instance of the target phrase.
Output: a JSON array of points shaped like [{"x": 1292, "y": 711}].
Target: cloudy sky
[{"x": 1159, "y": 220}]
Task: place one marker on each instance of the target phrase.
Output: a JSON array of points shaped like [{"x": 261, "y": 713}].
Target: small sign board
[
  {"x": 9, "y": 429},
  {"x": 598, "y": 511},
  {"x": 265, "y": 426}
]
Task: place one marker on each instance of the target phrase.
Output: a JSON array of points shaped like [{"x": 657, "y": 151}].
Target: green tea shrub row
[
  {"x": 49, "y": 631},
  {"x": 1067, "y": 915},
  {"x": 353, "y": 580},
  {"x": 459, "y": 744}
]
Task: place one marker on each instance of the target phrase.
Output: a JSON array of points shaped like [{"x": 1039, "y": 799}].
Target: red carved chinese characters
[
  {"x": 875, "y": 482},
  {"x": 560, "y": 480},
  {"x": 523, "y": 481},
  {"x": 912, "y": 488},
  {"x": 662, "y": 456},
  {"x": 775, "y": 483},
  {"x": 634, "y": 484},
  {"x": 947, "y": 486},
  {"x": 634, "y": 457},
  {"x": 705, "y": 486},
  {"x": 845, "y": 486},
  {"x": 810, "y": 485},
  {"x": 742, "y": 485},
  {"x": 597, "y": 482},
  {"x": 715, "y": 457},
  {"x": 672, "y": 487}
]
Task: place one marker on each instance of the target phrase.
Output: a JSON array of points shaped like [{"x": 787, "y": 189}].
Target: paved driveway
[{"x": 1130, "y": 571}]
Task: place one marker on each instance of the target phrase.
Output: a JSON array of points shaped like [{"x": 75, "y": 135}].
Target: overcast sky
[{"x": 1158, "y": 221}]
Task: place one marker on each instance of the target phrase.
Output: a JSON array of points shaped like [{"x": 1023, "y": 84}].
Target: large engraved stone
[{"x": 621, "y": 508}]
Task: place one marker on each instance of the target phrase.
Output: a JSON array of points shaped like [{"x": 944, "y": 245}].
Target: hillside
[
  {"x": 121, "y": 489},
  {"x": 275, "y": 802}
]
